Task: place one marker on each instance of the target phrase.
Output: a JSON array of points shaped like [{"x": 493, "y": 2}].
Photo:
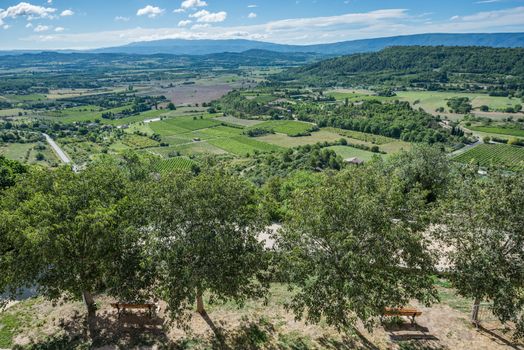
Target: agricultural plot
[
  {"x": 498, "y": 130},
  {"x": 355, "y": 95},
  {"x": 290, "y": 142},
  {"x": 431, "y": 100},
  {"x": 498, "y": 155},
  {"x": 350, "y": 152},
  {"x": 187, "y": 149},
  {"x": 27, "y": 152},
  {"x": 92, "y": 113},
  {"x": 241, "y": 145},
  {"x": 217, "y": 131},
  {"x": 238, "y": 121},
  {"x": 24, "y": 98},
  {"x": 83, "y": 151},
  {"x": 181, "y": 125},
  {"x": 13, "y": 112},
  {"x": 137, "y": 141},
  {"x": 82, "y": 114},
  {"x": 135, "y": 118},
  {"x": 171, "y": 164},
  {"x": 288, "y": 127}
]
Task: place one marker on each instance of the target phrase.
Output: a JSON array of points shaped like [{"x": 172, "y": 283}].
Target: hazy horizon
[{"x": 60, "y": 24}]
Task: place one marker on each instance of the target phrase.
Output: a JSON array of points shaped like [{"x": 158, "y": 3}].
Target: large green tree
[
  {"x": 424, "y": 168},
  {"x": 9, "y": 170},
  {"x": 353, "y": 245},
  {"x": 69, "y": 233},
  {"x": 204, "y": 239},
  {"x": 483, "y": 224}
]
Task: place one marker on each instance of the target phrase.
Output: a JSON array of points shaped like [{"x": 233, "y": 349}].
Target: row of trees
[{"x": 353, "y": 242}]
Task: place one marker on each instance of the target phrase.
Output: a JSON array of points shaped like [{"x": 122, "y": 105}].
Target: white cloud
[
  {"x": 150, "y": 11},
  {"x": 204, "y": 16},
  {"x": 27, "y": 10},
  {"x": 29, "y": 25},
  {"x": 121, "y": 19},
  {"x": 67, "y": 13},
  {"x": 252, "y": 6},
  {"x": 179, "y": 10},
  {"x": 185, "y": 23},
  {"x": 59, "y": 29},
  {"x": 200, "y": 26},
  {"x": 252, "y": 15},
  {"x": 49, "y": 1},
  {"x": 188, "y": 4},
  {"x": 41, "y": 28},
  {"x": 313, "y": 30},
  {"x": 6, "y": 26}
]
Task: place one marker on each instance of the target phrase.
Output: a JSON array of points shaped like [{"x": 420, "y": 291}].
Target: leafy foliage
[
  {"x": 420, "y": 66},
  {"x": 484, "y": 225},
  {"x": 353, "y": 245},
  {"x": 204, "y": 238}
]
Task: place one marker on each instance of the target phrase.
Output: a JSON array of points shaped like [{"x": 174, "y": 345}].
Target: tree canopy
[
  {"x": 483, "y": 223},
  {"x": 353, "y": 245}
]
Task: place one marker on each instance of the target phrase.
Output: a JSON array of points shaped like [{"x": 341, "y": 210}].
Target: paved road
[{"x": 61, "y": 154}]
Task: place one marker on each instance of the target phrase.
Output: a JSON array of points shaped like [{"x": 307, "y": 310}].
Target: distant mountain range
[
  {"x": 203, "y": 47},
  {"x": 206, "y": 47}
]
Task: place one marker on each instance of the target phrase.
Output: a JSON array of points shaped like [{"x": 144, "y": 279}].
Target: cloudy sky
[{"x": 80, "y": 24}]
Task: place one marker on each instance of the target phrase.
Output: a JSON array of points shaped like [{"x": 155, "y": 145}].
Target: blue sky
[{"x": 80, "y": 24}]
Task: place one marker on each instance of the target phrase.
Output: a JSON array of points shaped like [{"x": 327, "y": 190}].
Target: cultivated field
[
  {"x": 288, "y": 127},
  {"x": 498, "y": 155}
]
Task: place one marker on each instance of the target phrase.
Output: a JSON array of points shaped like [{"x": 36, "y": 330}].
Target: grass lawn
[{"x": 350, "y": 152}]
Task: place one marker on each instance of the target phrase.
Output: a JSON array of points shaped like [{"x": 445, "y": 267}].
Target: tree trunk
[
  {"x": 91, "y": 312},
  {"x": 200, "y": 302},
  {"x": 475, "y": 311}
]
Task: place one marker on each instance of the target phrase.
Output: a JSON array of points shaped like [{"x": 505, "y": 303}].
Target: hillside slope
[
  {"x": 437, "y": 65},
  {"x": 202, "y": 47}
]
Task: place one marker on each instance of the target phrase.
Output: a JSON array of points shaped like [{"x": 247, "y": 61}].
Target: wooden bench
[
  {"x": 403, "y": 311},
  {"x": 123, "y": 307}
]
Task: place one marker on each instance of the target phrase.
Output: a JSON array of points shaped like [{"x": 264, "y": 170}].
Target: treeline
[
  {"x": 419, "y": 66},
  {"x": 397, "y": 120},
  {"x": 118, "y": 229}
]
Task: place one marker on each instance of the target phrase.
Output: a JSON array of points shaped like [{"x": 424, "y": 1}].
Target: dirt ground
[
  {"x": 191, "y": 94},
  {"x": 256, "y": 326}
]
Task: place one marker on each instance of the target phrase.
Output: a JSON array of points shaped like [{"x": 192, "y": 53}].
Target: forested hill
[{"x": 414, "y": 64}]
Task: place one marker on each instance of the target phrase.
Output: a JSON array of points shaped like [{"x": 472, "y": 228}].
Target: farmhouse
[{"x": 354, "y": 160}]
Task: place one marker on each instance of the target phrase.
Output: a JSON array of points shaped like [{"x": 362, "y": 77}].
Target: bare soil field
[{"x": 192, "y": 94}]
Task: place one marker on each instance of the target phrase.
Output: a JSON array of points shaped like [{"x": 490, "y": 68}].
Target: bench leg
[{"x": 412, "y": 320}]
